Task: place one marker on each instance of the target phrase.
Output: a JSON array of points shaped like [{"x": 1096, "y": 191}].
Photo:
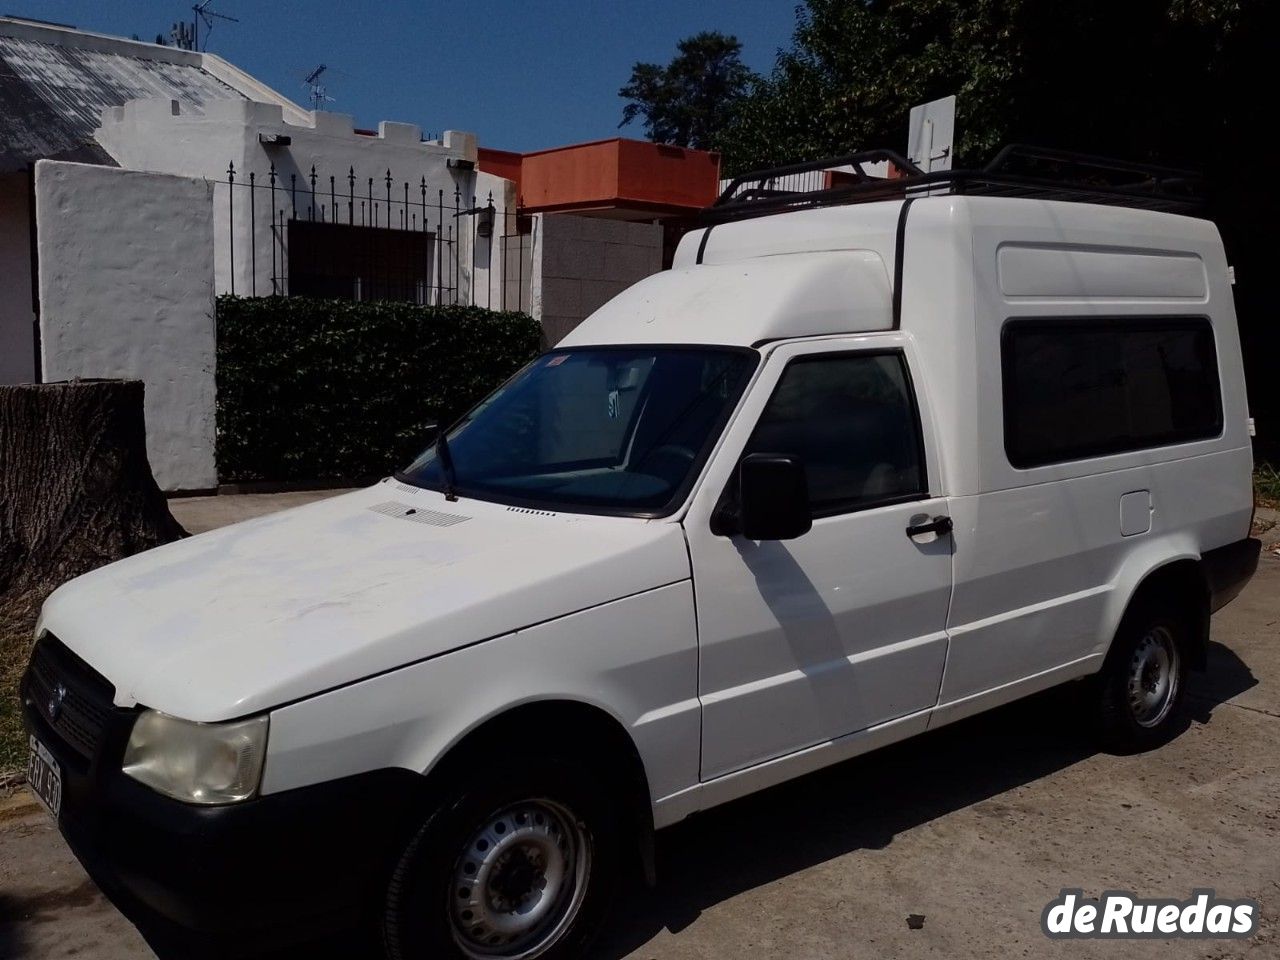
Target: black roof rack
[{"x": 1018, "y": 170}]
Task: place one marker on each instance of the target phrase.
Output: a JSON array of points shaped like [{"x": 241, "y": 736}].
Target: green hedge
[{"x": 332, "y": 389}]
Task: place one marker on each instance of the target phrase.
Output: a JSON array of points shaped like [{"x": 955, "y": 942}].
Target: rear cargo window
[{"x": 1085, "y": 388}]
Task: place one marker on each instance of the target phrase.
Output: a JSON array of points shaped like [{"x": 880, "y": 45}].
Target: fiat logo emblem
[{"x": 56, "y": 700}]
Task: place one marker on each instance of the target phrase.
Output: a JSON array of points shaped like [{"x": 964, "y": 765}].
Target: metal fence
[{"x": 371, "y": 238}]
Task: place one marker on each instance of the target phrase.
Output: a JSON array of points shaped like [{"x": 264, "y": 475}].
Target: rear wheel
[
  {"x": 517, "y": 866},
  {"x": 1140, "y": 690}
]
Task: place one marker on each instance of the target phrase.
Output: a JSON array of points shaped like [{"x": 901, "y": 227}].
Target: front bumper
[{"x": 240, "y": 879}]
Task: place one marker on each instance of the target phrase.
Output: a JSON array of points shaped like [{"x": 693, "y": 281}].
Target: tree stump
[
  {"x": 76, "y": 492},
  {"x": 76, "y": 489}
]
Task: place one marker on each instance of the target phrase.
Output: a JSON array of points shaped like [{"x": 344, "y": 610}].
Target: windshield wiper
[{"x": 447, "y": 471}]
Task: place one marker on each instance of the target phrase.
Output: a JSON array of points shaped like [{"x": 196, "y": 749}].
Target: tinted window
[
  {"x": 1086, "y": 389},
  {"x": 852, "y": 420},
  {"x": 602, "y": 429}
]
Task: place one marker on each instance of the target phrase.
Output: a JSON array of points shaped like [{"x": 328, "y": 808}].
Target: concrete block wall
[{"x": 582, "y": 262}]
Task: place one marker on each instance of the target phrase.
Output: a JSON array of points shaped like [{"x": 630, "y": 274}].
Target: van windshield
[{"x": 607, "y": 430}]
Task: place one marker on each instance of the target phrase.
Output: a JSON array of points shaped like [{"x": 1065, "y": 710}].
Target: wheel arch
[
  {"x": 587, "y": 731},
  {"x": 1182, "y": 578}
]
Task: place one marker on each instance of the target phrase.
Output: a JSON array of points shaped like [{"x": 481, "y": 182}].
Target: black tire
[
  {"x": 1131, "y": 711},
  {"x": 422, "y": 921}
]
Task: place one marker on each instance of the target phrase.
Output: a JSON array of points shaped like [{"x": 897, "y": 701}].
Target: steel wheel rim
[
  {"x": 1153, "y": 677},
  {"x": 519, "y": 882}
]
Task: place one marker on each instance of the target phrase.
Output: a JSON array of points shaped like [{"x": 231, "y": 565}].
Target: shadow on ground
[
  {"x": 1225, "y": 676},
  {"x": 861, "y": 804},
  {"x": 16, "y": 912}
]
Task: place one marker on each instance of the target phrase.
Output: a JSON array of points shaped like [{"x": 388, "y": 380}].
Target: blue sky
[{"x": 522, "y": 75}]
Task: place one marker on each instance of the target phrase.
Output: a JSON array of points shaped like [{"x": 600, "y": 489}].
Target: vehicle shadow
[
  {"x": 11, "y": 938},
  {"x": 17, "y": 913},
  {"x": 864, "y": 803},
  {"x": 1225, "y": 676}
]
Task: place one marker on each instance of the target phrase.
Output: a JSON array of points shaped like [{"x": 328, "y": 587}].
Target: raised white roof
[
  {"x": 748, "y": 301},
  {"x": 862, "y": 226},
  {"x": 830, "y": 270}
]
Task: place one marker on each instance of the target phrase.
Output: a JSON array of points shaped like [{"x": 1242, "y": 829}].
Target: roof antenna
[
  {"x": 202, "y": 12},
  {"x": 318, "y": 96}
]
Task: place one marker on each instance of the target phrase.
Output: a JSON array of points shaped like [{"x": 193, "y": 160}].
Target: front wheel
[
  {"x": 517, "y": 866},
  {"x": 1140, "y": 690}
]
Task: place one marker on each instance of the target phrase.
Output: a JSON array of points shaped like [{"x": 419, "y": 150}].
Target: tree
[
  {"x": 1145, "y": 79},
  {"x": 689, "y": 101},
  {"x": 855, "y": 69},
  {"x": 76, "y": 492}
]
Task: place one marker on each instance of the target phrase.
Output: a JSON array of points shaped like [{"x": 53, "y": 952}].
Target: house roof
[{"x": 55, "y": 83}]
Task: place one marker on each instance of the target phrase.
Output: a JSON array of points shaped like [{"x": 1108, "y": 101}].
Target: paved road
[{"x": 976, "y": 827}]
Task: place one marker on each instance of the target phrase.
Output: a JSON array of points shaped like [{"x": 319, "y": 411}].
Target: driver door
[{"x": 807, "y": 640}]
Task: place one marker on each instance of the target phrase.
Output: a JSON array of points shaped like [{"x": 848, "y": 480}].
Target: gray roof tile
[{"x": 52, "y": 96}]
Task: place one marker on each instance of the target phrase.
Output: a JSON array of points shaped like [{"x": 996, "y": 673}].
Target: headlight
[{"x": 197, "y": 762}]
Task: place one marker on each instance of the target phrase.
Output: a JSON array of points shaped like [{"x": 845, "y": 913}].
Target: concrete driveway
[{"x": 974, "y": 827}]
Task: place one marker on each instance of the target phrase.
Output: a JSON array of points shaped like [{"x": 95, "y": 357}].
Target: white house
[{"x": 138, "y": 181}]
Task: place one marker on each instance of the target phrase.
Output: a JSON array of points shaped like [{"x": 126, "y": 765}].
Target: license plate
[{"x": 44, "y": 776}]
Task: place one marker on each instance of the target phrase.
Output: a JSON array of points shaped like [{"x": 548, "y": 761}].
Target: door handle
[{"x": 939, "y": 525}]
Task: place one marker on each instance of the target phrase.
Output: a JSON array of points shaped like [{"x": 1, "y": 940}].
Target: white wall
[
  {"x": 580, "y": 263},
  {"x": 155, "y": 135},
  {"x": 126, "y": 290},
  {"x": 17, "y": 319}
]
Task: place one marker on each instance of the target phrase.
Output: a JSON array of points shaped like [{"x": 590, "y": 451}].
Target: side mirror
[
  {"x": 430, "y": 431},
  {"x": 773, "y": 497}
]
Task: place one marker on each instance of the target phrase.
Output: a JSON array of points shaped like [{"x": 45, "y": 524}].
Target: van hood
[{"x": 245, "y": 618}]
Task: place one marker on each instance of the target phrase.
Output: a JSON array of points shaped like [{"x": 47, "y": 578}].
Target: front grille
[{"x": 73, "y": 698}]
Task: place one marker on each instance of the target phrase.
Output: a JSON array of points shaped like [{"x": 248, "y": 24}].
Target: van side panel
[
  {"x": 1099, "y": 273},
  {"x": 938, "y": 295},
  {"x": 1044, "y": 568},
  {"x": 635, "y": 658},
  {"x": 1041, "y": 259}
]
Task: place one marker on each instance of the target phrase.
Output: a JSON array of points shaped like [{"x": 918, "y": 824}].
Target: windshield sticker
[{"x": 558, "y": 359}]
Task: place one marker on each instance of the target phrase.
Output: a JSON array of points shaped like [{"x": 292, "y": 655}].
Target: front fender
[{"x": 634, "y": 658}]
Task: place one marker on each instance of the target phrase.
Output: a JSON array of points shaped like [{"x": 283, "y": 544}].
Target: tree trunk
[{"x": 76, "y": 489}]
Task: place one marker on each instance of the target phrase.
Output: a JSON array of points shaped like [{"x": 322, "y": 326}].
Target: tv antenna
[
  {"x": 318, "y": 96},
  {"x": 188, "y": 37}
]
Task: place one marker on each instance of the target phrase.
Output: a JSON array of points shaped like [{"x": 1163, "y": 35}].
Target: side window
[
  {"x": 1084, "y": 388},
  {"x": 852, "y": 419}
]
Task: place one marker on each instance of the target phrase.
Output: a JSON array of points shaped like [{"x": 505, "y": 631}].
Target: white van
[{"x": 845, "y": 473}]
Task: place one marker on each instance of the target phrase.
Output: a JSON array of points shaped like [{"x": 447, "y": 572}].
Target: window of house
[
  {"x": 350, "y": 262},
  {"x": 1078, "y": 389},
  {"x": 852, "y": 420}
]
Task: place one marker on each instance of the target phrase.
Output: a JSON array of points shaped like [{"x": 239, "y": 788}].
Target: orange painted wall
[
  {"x": 502, "y": 163},
  {"x": 585, "y": 173},
  {"x": 613, "y": 173},
  {"x": 656, "y": 173}
]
